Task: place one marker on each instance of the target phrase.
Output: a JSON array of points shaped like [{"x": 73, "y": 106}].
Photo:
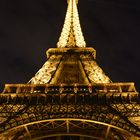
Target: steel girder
[{"x": 14, "y": 115}]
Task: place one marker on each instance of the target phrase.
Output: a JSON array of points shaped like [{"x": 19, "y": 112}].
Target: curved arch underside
[
  {"x": 39, "y": 120},
  {"x": 18, "y": 118},
  {"x": 62, "y": 127}
]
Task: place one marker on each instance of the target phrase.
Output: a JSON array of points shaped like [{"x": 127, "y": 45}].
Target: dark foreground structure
[{"x": 70, "y": 97}]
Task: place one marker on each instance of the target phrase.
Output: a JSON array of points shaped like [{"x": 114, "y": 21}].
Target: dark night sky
[{"x": 29, "y": 27}]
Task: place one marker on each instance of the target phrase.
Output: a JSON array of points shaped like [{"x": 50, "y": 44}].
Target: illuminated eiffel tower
[{"x": 70, "y": 97}]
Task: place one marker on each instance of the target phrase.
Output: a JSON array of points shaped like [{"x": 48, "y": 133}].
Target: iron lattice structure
[{"x": 70, "y": 96}]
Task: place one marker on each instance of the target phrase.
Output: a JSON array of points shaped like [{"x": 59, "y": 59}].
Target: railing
[
  {"x": 75, "y": 88},
  {"x": 69, "y": 94}
]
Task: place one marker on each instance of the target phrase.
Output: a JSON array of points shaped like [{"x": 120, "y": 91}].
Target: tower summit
[
  {"x": 70, "y": 97},
  {"x": 71, "y": 35}
]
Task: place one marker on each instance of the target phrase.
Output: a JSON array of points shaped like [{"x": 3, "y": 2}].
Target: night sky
[{"x": 29, "y": 27}]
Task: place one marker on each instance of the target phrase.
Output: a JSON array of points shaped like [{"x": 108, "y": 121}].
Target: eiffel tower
[{"x": 70, "y": 97}]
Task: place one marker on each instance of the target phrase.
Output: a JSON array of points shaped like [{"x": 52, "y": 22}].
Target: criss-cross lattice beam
[
  {"x": 65, "y": 126},
  {"x": 101, "y": 113}
]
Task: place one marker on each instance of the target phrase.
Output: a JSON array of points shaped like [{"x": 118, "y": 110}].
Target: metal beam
[
  {"x": 28, "y": 132},
  {"x": 107, "y": 132},
  {"x": 67, "y": 123}
]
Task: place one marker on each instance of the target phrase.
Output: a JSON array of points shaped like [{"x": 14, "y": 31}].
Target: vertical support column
[
  {"x": 67, "y": 123},
  {"x": 107, "y": 132}
]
